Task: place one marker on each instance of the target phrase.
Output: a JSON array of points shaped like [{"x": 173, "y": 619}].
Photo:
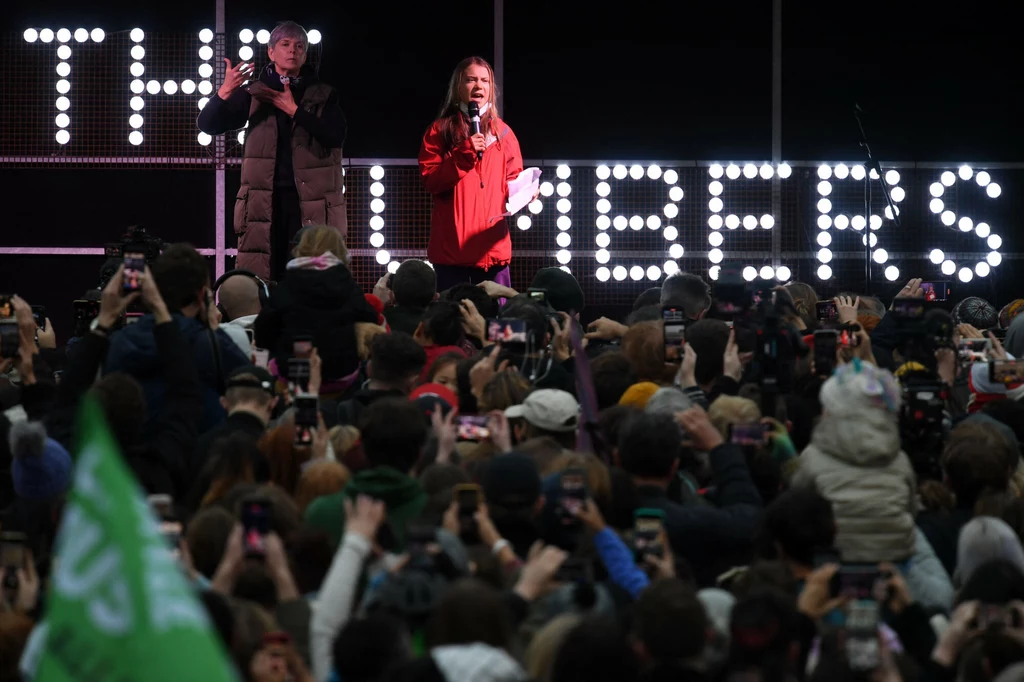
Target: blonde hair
[
  {"x": 320, "y": 478},
  {"x": 729, "y": 409},
  {"x": 540, "y": 655},
  {"x": 320, "y": 239},
  {"x": 453, "y": 128}
]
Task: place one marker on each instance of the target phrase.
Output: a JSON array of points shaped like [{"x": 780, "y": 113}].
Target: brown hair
[
  {"x": 540, "y": 654},
  {"x": 599, "y": 481},
  {"x": 320, "y": 478},
  {"x": 543, "y": 450},
  {"x": 976, "y": 459},
  {"x": 320, "y": 239},
  {"x": 284, "y": 458},
  {"x": 453, "y": 127},
  {"x": 804, "y": 300},
  {"x": 644, "y": 347},
  {"x": 503, "y": 391},
  {"x": 232, "y": 458},
  {"x": 14, "y": 632},
  {"x": 470, "y": 611}
]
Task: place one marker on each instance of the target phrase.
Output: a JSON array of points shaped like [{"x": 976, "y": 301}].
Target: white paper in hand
[{"x": 522, "y": 190}]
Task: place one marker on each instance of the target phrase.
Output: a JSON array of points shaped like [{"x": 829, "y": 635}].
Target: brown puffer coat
[
  {"x": 318, "y": 178},
  {"x": 857, "y": 464}
]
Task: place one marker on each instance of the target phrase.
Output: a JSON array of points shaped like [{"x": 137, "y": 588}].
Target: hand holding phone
[
  {"x": 826, "y": 311},
  {"x": 754, "y": 433},
  {"x": 826, "y": 342},
  {"x": 307, "y": 418},
  {"x": 133, "y": 272},
  {"x": 648, "y": 525},
  {"x": 572, "y": 493},
  {"x": 472, "y": 427},
  {"x": 674, "y": 320},
  {"x": 468, "y": 497},
  {"x": 255, "y": 526}
]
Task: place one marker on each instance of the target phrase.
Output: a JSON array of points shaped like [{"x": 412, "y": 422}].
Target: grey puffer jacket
[{"x": 857, "y": 464}]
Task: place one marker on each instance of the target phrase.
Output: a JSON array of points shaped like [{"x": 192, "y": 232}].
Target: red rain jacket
[{"x": 463, "y": 229}]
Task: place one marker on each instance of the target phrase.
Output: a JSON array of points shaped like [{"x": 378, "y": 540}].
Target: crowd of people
[{"x": 364, "y": 487}]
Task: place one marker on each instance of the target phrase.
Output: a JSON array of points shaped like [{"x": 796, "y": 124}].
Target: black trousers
[{"x": 285, "y": 221}]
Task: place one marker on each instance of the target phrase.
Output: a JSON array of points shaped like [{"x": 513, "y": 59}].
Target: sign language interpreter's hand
[{"x": 234, "y": 76}]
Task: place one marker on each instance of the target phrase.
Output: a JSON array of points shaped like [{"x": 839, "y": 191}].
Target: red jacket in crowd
[{"x": 466, "y": 227}]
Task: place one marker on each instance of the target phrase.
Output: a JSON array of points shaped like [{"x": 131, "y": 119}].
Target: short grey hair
[
  {"x": 668, "y": 401},
  {"x": 687, "y": 291},
  {"x": 287, "y": 29}
]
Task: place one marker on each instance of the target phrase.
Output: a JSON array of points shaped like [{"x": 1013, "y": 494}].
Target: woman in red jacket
[{"x": 469, "y": 238}]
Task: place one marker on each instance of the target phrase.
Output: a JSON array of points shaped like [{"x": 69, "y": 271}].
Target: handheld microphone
[{"x": 473, "y": 109}]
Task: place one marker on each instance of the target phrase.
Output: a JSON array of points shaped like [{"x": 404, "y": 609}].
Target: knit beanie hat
[
  {"x": 42, "y": 467},
  {"x": 1010, "y": 311},
  {"x": 976, "y": 312},
  {"x": 982, "y": 540},
  {"x": 859, "y": 386},
  {"x": 637, "y": 395}
]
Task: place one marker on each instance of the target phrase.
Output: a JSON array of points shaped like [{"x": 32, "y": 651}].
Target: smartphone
[
  {"x": 39, "y": 315},
  {"x": 134, "y": 271},
  {"x": 471, "y": 427},
  {"x": 858, "y": 582},
  {"x": 826, "y": 311},
  {"x": 647, "y": 527},
  {"x": 972, "y": 350},
  {"x": 307, "y": 412},
  {"x": 298, "y": 375},
  {"x": 261, "y": 357},
  {"x": 172, "y": 530},
  {"x": 255, "y": 526},
  {"x": 935, "y": 291},
  {"x": 12, "y": 558},
  {"x": 6, "y": 309},
  {"x": 85, "y": 311},
  {"x": 848, "y": 338},
  {"x": 674, "y": 333},
  {"x": 572, "y": 494},
  {"x": 10, "y": 339},
  {"x": 747, "y": 434},
  {"x": 468, "y": 497},
  {"x": 1006, "y": 371},
  {"x": 302, "y": 347},
  {"x": 132, "y": 318},
  {"x": 162, "y": 505},
  {"x": 826, "y": 342},
  {"x": 829, "y": 555},
  {"x": 910, "y": 308},
  {"x": 251, "y": 335},
  {"x": 510, "y": 332},
  {"x": 575, "y": 570},
  {"x": 538, "y": 295},
  {"x": 863, "y": 652}
]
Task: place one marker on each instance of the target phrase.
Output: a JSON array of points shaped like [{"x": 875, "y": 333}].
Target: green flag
[{"x": 119, "y": 607}]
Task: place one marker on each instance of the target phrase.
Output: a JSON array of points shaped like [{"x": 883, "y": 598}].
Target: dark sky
[{"x": 665, "y": 80}]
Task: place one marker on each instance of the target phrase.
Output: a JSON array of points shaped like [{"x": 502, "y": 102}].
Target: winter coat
[
  {"x": 467, "y": 226},
  {"x": 857, "y": 464}
]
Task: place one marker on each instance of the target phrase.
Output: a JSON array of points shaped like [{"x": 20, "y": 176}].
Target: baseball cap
[
  {"x": 549, "y": 409},
  {"x": 428, "y": 396},
  {"x": 511, "y": 481},
  {"x": 261, "y": 378}
]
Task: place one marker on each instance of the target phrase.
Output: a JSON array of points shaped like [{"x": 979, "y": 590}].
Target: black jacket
[
  {"x": 351, "y": 411},
  {"x": 322, "y": 304},
  {"x": 713, "y": 539},
  {"x": 942, "y": 529},
  {"x": 159, "y": 463}
]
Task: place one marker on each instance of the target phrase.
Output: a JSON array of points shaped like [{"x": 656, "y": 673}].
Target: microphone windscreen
[{"x": 474, "y": 109}]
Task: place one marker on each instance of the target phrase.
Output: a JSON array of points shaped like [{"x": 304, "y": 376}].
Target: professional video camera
[
  {"x": 922, "y": 329},
  {"x": 134, "y": 240},
  {"x": 757, "y": 311}
]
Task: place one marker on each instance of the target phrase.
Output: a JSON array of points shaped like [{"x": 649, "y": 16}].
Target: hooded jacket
[
  {"x": 134, "y": 350},
  {"x": 310, "y": 159},
  {"x": 323, "y": 304},
  {"x": 855, "y": 461},
  {"x": 467, "y": 223},
  {"x": 401, "y": 494}
]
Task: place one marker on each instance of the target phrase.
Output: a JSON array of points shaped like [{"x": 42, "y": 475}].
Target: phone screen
[
  {"x": 826, "y": 310},
  {"x": 508, "y": 332},
  {"x": 302, "y": 347},
  {"x": 646, "y": 531},
  {"x": 298, "y": 375},
  {"x": 858, "y": 582},
  {"x": 911, "y": 308},
  {"x": 862, "y": 648},
  {"x": 39, "y": 315},
  {"x": 848, "y": 338},
  {"x": 86, "y": 310},
  {"x": 825, "y": 343},
  {"x": 9, "y": 338},
  {"x": 171, "y": 530},
  {"x": 1006, "y": 371},
  {"x": 255, "y": 526},
  {"x": 538, "y": 295},
  {"x": 675, "y": 333},
  {"x": 132, "y": 318},
  {"x": 572, "y": 493},
  {"x": 471, "y": 427},
  {"x": 972, "y": 350},
  {"x": 467, "y": 496},
  {"x": 935, "y": 291},
  {"x": 134, "y": 269},
  {"x": 307, "y": 412},
  {"x": 6, "y": 309},
  {"x": 747, "y": 434},
  {"x": 251, "y": 335}
]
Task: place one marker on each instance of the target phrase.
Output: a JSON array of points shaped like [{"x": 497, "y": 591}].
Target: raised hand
[{"x": 234, "y": 76}]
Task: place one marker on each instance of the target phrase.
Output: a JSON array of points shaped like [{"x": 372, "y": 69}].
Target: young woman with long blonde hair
[{"x": 468, "y": 176}]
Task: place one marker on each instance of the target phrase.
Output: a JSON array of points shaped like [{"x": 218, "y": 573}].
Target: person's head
[
  {"x": 414, "y": 284},
  {"x": 232, "y": 459},
  {"x": 976, "y": 312},
  {"x": 547, "y": 412},
  {"x": 503, "y": 391},
  {"x": 687, "y": 291},
  {"x": 1008, "y": 412},
  {"x": 443, "y": 371},
  {"x": 250, "y": 389},
  {"x": 995, "y": 582},
  {"x": 985, "y": 539},
  {"x": 612, "y": 375},
  {"x": 343, "y": 438},
  {"x": 669, "y": 622},
  {"x": 763, "y": 632},
  {"x": 805, "y": 300},
  {"x": 596, "y": 649},
  {"x": 183, "y": 278},
  {"x": 512, "y": 489},
  {"x": 708, "y": 338},
  {"x": 287, "y": 48},
  {"x": 797, "y": 524},
  {"x": 124, "y": 407},
  {"x": 471, "y": 611},
  {"x": 239, "y": 296},
  {"x": 440, "y": 325},
  {"x": 522, "y": 307},
  {"x": 668, "y": 400},
  {"x": 320, "y": 239},
  {"x": 543, "y": 450},
  {"x": 650, "y": 296},
  {"x": 975, "y": 461},
  {"x": 41, "y": 468},
  {"x": 644, "y": 347},
  {"x": 438, "y": 482},
  {"x": 485, "y": 305},
  {"x": 649, "y": 446},
  {"x": 393, "y": 433},
  {"x": 319, "y": 479},
  {"x": 540, "y": 654},
  {"x": 396, "y": 361},
  {"x": 471, "y": 81},
  {"x": 563, "y": 291},
  {"x": 728, "y": 410},
  {"x": 366, "y": 647},
  {"x": 207, "y": 536},
  {"x": 599, "y": 482},
  {"x": 284, "y": 459},
  {"x": 14, "y": 631}
]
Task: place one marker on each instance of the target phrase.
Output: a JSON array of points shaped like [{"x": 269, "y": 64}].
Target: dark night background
[{"x": 618, "y": 80}]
